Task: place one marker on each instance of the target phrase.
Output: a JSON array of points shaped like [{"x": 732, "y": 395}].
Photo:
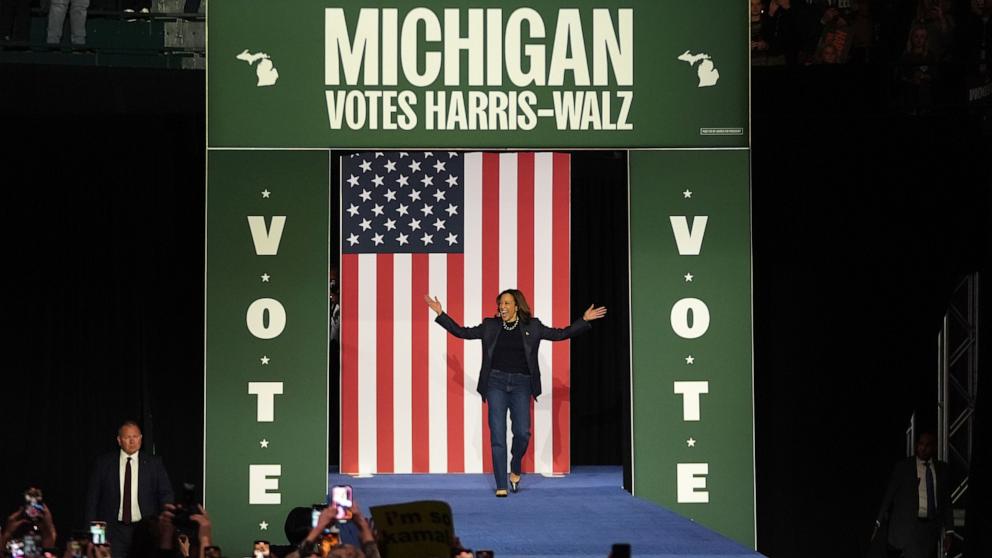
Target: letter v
[
  {"x": 266, "y": 241},
  {"x": 689, "y": 241}
]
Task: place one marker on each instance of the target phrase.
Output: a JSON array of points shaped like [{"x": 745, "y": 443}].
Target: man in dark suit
[
  {"x": 917, "y": 503},
  {"x": 126, "y": 487}
]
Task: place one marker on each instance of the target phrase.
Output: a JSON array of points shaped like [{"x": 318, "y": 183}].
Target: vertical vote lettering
[{"x": 690, "y": 319}]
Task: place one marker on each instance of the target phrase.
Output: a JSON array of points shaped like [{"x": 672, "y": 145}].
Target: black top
[{"x": 509, "y": 355}]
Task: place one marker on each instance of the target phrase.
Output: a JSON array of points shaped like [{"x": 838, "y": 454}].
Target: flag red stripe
[
  {"x": 349, "y": 363},
  {"x": 560, "y": 406},
  {"x": 456, "y": 367},
  {"x": 525, "y": 254},
  {"x": 384, "y": 363},
  {"x": 490, "y": 270},
  {"x": 419, "y": 365}
]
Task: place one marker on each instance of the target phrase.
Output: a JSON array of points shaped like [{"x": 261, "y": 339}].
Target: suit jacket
[
  {"x": 103, "y": 497},
  {"x": 533, "y": 332},
  {"x": 901, "y": 501}
]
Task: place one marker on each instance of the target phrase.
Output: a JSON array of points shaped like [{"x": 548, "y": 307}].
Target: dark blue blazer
[
  {"x": 103, "y": 497},
  {"x": 533, "y": 332}
]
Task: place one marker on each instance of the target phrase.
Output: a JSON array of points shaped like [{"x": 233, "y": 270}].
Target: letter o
[
  {"x": 700, "y": 318},
  {"x": 255, "y": 318}
]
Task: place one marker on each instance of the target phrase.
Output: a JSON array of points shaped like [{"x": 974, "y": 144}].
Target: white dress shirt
[
  {"x": 921, "y": 486},
  {"x": 135, "y": 510}
]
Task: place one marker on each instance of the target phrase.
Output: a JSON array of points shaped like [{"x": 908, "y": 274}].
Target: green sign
[
  {"x": 690, "y": 295},
  {"x": 548, "y": 74},
  {"x": 265, "y": 442},
  {"x": 287, "y": 82}
]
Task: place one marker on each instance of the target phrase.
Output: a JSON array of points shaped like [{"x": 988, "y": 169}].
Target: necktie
[
  {"x": 931, "y": 503},
  {"x": 126, "y": 504}
]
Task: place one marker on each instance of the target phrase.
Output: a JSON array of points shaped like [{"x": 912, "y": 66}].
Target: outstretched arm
[
  {"x": 578, "y": 326},
  {"x": 448, "y": 323}
]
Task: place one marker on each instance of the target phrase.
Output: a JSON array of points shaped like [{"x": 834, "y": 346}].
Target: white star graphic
[
  {"x": 428, "y": 154},
  {"x": 403, "y": 154},
  {"x": 377, "y": 180},
  {"x": 365, "y": 195},
  {"x": 390, "y": 166},
  {"x": 353, "y": 181},
  {"x": 365, "y": 224},
  {"x": 414, "y": 224},
  {"x": 352, "y": 239},
  {"x": 390, "y": 224},
  {"x": 403, "y": 181},
  {"x": 438, "y": 195},
  {"x": 687, "y": 194},
  {"x": 690, "y": 359},
  {"x": 266, "y": 193},
  {"x": 401, "y": 209},
  {"x": 427, "y": 180},
  {"x": 439, "y": 224},
  {"x": 452, "y": 181},
  {"x": 439, "y": 166},
  {"x": 414, "y": 195},
  {"x": 265, "y": 360},
  {"x": 402, "y": 239},
  {"x": 353, "y": 210},
  {"x": 427, "y": 210},
  {"x": 690, "y": 442},
  {"x": 427, "y": 239},
  {"x": 414, "y": 166},
  {"x": 263, "y": 526},
  {"x": 379, "y": 154},
  {"x": 366, "y": 166},
  {"x": 688, "y": 278},
  {"x": 265, "y": 277},
  {"x": 263, "y": 443},
  {"x": 452, "y": 154},
  {"x": 390, "y": 195},
  {"x": 377, "y": 239},
  {"x": 452, "y": 239},
  {"x": 452, "y": 210},
  {"x": 377, "y": 209}
]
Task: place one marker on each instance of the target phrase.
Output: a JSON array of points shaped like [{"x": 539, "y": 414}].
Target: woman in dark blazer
[{"x": 510, "y": 375}]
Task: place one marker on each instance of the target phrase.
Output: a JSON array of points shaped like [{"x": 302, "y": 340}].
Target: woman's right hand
[{"x": 434, "y": 303}]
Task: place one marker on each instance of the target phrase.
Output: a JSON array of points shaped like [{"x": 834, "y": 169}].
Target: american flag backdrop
[{"x": 462, "y": 227}]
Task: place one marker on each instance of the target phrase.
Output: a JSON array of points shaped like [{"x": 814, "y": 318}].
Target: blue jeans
[{"x": 508, "y": 392}]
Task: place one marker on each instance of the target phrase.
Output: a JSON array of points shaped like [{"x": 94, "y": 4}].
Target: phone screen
[
  {"x": 98, "y": 532},
  {"x": 341, "y": 499}
]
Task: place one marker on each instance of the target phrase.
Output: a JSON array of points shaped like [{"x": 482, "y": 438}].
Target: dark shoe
[
  {"x": 501, "y": 493},
  {"x": 514, "y": 482}
]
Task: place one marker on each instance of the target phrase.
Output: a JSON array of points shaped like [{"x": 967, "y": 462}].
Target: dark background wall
[{"x": 863, "y": 219}]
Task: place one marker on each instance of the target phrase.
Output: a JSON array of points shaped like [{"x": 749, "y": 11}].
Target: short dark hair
[
  {"x": 523, "y": 309},
  {"x": 128, "y": 422}
]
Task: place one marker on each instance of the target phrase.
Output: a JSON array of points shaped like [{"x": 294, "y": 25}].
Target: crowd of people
[
  {"x": 132, "y": 519},
  {"x": 803, "y": 32}
]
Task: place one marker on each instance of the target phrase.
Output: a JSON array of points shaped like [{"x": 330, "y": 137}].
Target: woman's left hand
[{"x": 593, "y": 313}]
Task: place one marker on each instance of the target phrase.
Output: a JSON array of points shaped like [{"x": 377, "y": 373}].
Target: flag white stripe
[
  {"x": 543, "y": 228},
  {"x": 437, "y": 368},
  {"x": 367, "y": 434},
  {"x": 402, "y": 363},
  {"x": 473, "y": 310},
  {"x": 508, "y": 185}
]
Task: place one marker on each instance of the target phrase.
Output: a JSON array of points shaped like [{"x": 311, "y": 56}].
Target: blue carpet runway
[{"x": 579, "y": 515}]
